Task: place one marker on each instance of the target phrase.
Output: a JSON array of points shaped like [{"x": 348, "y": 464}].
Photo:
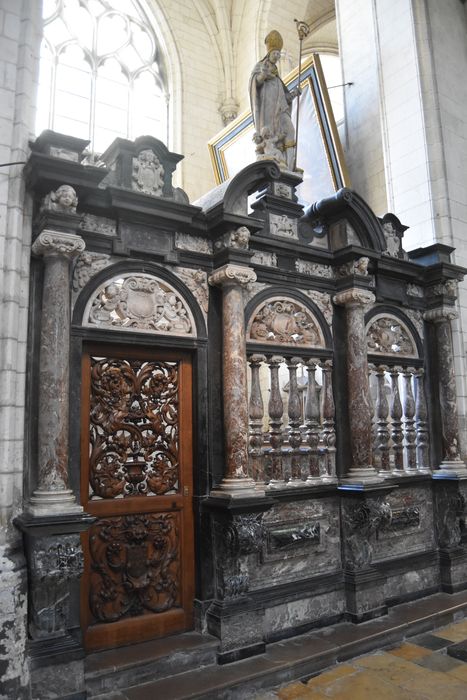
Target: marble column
[
  {"x": 452, "y": 464},
  {"x": 360, "y": 411},
  {"x": 53, "y": 495},
  {"x": 236, "y": 482}
]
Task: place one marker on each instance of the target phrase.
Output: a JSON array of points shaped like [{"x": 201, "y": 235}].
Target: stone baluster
[
  {"x": 329, "y": 432},
  {"x": 236, "y": 482},
  {"x": 275, "y": 411},
  {"x": 359, "y": 411},
  {"x": 452, "y": 463},
  {"x": 382, "y": 411},
  {"x": 256, "y": 413},
  {"x": 421, "y": 415},
  {"x": 294, "y": 413},
  {"x": 409, "y": 421},
  {"x": 376, "y": 455},
  {"x": 53, "y": 495},
  {"x": 396, "y": 426},
  {"x": 312, "y": 421}
]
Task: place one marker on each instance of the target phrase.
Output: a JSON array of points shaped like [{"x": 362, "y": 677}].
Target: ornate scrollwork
[
  {"x": 62, "y": 559},
  {"x": 284, "y": 321},
  {"x": 306, "y": 267},
  {"x": 134, "y": 433},
  {"x": 134, "y": 565},
  {"x": 148, "y": 173},
  {"x": 361, "y": 521},
  {"x": 139, "y": 302},
  {"x": 243, "y": 535},
  {"x": 387, "y": 335},
  {"x": 87, "y": 265}
]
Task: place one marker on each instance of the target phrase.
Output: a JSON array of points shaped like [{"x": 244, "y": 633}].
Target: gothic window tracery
[{"x": 102, "y": 73}]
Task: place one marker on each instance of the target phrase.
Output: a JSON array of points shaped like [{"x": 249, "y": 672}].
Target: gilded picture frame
[{"x": 320, "y": 153}]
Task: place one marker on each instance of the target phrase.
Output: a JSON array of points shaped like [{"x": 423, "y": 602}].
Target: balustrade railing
[
  {"x": 400, "y": 428},
  {"x": 292, "y": 425}
]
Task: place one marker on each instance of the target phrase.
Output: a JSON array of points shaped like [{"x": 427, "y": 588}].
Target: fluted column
[
  {"x": 361, "y": 468},
  {"x": 236, "y": 483},
  {"x": 452, "y": 463},
  {"x": 53, "y": 494}
]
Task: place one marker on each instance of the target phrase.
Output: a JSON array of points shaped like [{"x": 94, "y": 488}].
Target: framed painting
[{"x": 319, "y": 152}]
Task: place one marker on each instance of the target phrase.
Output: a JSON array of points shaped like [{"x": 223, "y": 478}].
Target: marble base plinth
[
  {"x": 53, "y": 503},
  {"x": 236, "y": 488},
  {"x": 455, "y": 468}
]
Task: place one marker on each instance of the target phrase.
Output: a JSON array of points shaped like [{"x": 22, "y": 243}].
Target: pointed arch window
[{"x": 102, "y": 72}]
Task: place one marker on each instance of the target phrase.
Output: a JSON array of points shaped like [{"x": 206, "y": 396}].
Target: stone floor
[{"x": 430, "y": 666}]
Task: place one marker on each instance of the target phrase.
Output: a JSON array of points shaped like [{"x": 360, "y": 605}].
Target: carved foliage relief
[
  {"x": 134, "y": 428},
  {"x": 134, "y": 565},
  {"x": 139, "y": 302},
  {"x": 388, "y": 335},
  {"x": 284, "y": 321}
]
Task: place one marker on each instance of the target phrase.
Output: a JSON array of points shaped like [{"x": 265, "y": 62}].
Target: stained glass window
[{"x": 102, "y": 73}]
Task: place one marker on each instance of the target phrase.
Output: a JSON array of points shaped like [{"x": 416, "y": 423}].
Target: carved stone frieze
[
  {"x": 450, "y": 510},
  {"x": 232, "y": 275},
  {"x": 284, "y": 321},
  {"x": 64, "y": 200},
  {"x": 283, "y": 225},
  {"x": 282, "y": 190},
  {"x": 87, "y": 266},
  {"x": 244, "y": 534},
  {"x": 237, "y": 238},
  {"x": 361, "y": 520},
  {"x": 323, "y": 302},
  {"x": 354, "y": 267},
  {"x": 197, "y": 283},
  {"x": 416, "y": 316},
  {"x": 139, "y": 302},
  {"x": 148, "y": 173},
  {"x": 65, "y": 245},
  {"x": 387, "y": 335},
  {"x": 60, "y": 557},
  {"x": 306, "y": 267},
  {"x": 286, "y": 537},
  {"x": 196, "y": 244},
  {"x": 99, "y": 224},
  {"x": 55, "y": 562},
  {"x": 135, "y": 565},
  {"x": 262, "y": 257},
  {"x": 448, "y": 288},
  {"x": 252, "y": 289},
  {"x": 414, "y": 290}
]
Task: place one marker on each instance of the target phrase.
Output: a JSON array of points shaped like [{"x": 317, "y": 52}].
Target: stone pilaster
[
  {"x": 53, "y": 495},
  {"x": 355, "y": 300},
  {"x": 452, "y": 464},
  {"x": 236, "y": 483}
]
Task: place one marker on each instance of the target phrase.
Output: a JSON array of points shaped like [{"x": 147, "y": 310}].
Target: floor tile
[
  {"x": 459, "y": 650},
  {"x": 456, "y": 632},
  {"x": 460, "y": 672},
  {"x": 340, "y": 671},
  {"x": 435, "y": 685},
  {"x": 409, "y": 651},
  {"x": 367, "y": 685},
  {"x": 295, "y": 691},
  {"x": 431, "y": 641},
  {"x": 390, "y": 668},
  {"x": 438, "y": 662}
]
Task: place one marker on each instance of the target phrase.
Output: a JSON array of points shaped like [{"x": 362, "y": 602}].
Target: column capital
[
  {"x": 440, "y": 314},
  {"x": 231, "y": 275},
  {"x": 354, "y": 297},
  {"x": 58, "y": 244}
]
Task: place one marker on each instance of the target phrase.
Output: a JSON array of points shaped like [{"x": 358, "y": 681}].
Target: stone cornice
[
  {"x": 440, "y": 314},
  {"x": 354, "y": 297},
  {"x": 229, "y": 275},
  {"x": 54, "y": 243}
]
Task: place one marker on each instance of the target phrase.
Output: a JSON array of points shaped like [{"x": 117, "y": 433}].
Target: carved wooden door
[{"x": 136, "y": 479}]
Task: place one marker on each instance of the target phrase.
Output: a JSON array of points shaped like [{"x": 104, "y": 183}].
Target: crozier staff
[{"x": 271, "y": 103}]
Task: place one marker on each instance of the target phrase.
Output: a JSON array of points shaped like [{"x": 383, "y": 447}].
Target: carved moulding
[
  {"x": 284, "y": 321},
  {"x": 139, "y": 302},
  {"x": 388, "y": 335},
  {"x": 196, "y": 244},
  {"x": 306, "y": 267},
  {"x": 135, "y": 566}
]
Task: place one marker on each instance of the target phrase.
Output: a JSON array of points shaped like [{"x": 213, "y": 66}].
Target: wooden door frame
[{"x": 116, "y": 633}]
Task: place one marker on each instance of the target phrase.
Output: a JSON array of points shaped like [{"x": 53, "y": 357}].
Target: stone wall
[{"x": 19, "y": 47}]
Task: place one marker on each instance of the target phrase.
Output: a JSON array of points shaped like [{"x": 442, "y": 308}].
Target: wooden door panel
[{"x": 136, "y": 478}]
